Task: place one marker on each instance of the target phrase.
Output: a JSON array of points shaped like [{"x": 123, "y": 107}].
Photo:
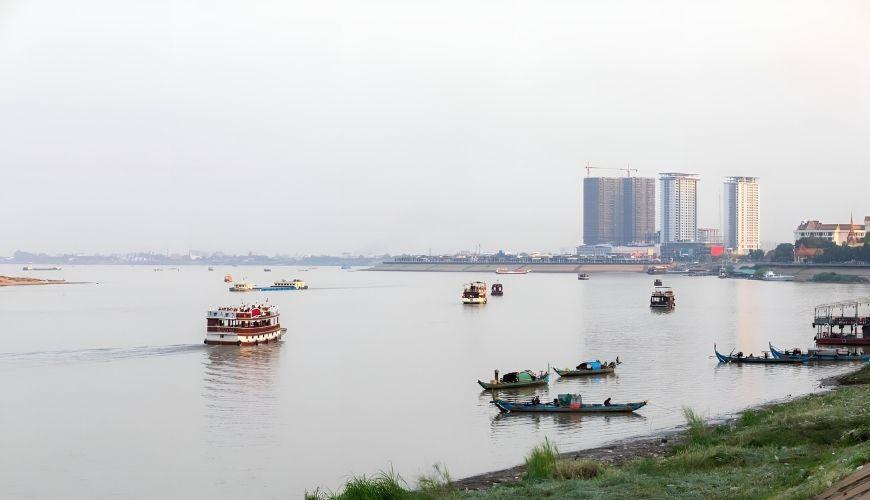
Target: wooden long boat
[
  {"x": 508, "y": 407},
  {"x": 819, "y": 355},
  {"x": 581, "y": 373},
  {"x": 757, "y": 359},
  {"x": 512, "y": 385}
]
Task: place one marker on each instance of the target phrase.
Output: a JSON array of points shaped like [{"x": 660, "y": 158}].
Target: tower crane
[{"x": 628, "y": 170}]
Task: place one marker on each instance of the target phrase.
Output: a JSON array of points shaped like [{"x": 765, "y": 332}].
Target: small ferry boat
[
  {"x": 583, "y": 277},
  {"x": 518, "y": 270},
  {"x": 242, "y": 286},
  {"x": 740, "y": 358},
  {"x": 662, "y": 298},
  {"x": 497, "y": 290},
  {"x": 657, "y": 282},
  {"x": 345, "y": 266},
  {"x": 243, "y": 325},
  {"x": 819, "y": 354},
  {"x": 525, "y": 378},
  {"x": 588, "y": 368},
  {"x": 568, "y": 403},
  {"x": 285, "y": 285},
  {"x": 210, "y": 268},
  {"x": 228, "y": 278},
  {"x": 267, "y": 270},
  {"x": 723, "y": 274},
  {"x": 772, "y": 276},
  {"x": 845, "y": 323},
  {"x": 474, "y": 293}
]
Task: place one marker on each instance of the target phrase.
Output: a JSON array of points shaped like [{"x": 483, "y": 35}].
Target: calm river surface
[{"x": 106, "y": 390}]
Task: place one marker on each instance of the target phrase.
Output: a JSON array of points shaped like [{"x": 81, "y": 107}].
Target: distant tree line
[{"x": 831, "y": 252}]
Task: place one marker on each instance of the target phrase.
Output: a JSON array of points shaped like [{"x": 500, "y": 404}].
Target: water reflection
[{"x": 239, "y": 392}]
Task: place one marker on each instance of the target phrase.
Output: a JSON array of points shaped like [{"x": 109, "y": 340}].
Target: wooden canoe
[
  {"x": 581, "y": 373},
  {"x": 512, "y": 385},
  {"x": 758, "y": 359},
  {"x": 508, "y": 407}
]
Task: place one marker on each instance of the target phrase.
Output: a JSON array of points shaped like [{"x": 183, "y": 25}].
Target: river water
[{"x": 106, "y": 390}]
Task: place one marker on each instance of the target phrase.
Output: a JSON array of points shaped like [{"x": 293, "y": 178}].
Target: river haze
[{"x": 106, "y": 390}]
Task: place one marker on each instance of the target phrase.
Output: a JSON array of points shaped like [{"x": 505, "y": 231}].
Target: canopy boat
[
  {"x": 583, "y": 277},
  {"x": 497, "y": 290},
  {"x": 657, "y": 282},
  {"x": 740, "y": 358},
  {"x": 474, "y": 293},
  {"x": 588, "y": 368},
  {"x": 772, "y": 276},
  {"x": 525, "y": 378},
  {"x": 243, "y": 325},
  {"x": 819, "y": 354},
  {"x": 662, "y": 298},
  {"x": 567, "y": 403},
  {"x": 242, "y": 286}
]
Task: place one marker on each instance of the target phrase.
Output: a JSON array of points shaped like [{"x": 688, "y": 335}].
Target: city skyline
[{"x": 175, "y": 130}]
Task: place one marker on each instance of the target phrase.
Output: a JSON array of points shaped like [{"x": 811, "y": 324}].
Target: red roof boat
[{"x": 843, "y": 323}]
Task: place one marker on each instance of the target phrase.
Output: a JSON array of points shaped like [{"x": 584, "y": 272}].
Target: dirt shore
[{"x": 18, "y": 281}]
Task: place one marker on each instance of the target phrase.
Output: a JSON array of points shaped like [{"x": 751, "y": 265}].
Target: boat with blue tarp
[
  {"x": 595, "y": 367},
  {"x": 740, "y": 358},
  {"x": 819, "y": 354},
  {"x": 567, "y": 403}
]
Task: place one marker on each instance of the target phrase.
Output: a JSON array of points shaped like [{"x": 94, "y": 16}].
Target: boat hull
[
  {"x": 759, "y": 361},
  {"x": 584, "y": 373},
  {"x": 514, "y": 385},
  {"x": 473, "y": 300},
  {"x": 217, "y": 338},
  {"x": 841, "y": 358},
  {"x": 280, "y": 289},
  {"x": 508, "y": 407}
]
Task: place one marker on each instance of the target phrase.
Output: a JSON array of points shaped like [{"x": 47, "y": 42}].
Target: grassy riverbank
[{"x": 795, "y": 449}]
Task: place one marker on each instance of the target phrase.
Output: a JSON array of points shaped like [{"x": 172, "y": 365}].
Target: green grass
[
  {"x": 541, "y": 461},
  {"x": 390, "y": 486},
  {"x": 791, "y": 450},
  {"x": 862, "y": 376}
]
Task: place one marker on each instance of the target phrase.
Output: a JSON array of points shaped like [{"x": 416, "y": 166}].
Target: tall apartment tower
[
  {"x": 679, "y": 207},
  {"x": 742, "y": 230},
  {"x": 619, "y": 211}
]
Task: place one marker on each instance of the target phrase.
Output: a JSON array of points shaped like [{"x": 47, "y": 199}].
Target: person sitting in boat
[
  {"x": 536, "y": 400},
  {"x": 510, "y": 377},
  {"x": 607, "y": 402}
]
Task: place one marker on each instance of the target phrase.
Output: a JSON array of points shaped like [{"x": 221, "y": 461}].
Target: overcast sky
[{"x": 373, "y": 126}]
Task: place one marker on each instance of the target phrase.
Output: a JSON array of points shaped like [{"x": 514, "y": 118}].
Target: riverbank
[
  {"x": 795, "y": 449},
  {"x": 20, "y": 281}
]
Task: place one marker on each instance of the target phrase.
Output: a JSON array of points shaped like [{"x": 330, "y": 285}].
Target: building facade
[
  {"x": 742, "y": 226},
  {"x": 709, "y": 235},
  {"x": 619, "y": 211},
  {"x": 679, "y": 193},
  {"x": 849, "y": 234}
]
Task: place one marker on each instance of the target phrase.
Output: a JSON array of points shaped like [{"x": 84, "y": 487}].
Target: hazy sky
[{"x": 371, "y": 126}]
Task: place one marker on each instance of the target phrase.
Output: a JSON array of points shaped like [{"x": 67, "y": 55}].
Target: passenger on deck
[{"x": 607, "y": 402}]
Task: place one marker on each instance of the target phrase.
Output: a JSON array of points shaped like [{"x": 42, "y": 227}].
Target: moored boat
[
  {"x": 497, "y": 290},
  {"x": 772, "y": 276},
  {"x": 583, "y": 277},
  {"x": 740, "y": 358},
  {"x": 662, "y": 298},
  {"x": 819, "y": 354},
  {"x": 568, "y": 403},
  {"x": 474, "y": 293},
  {"x": 243, "y": 325},
  {"x": 518, "y": 270},
  {"x": 285, "y": 285},
  {"x": 512, "y": 380},
  {"x": 588, "y": 368},
  {"x": 851, "y": 318}
]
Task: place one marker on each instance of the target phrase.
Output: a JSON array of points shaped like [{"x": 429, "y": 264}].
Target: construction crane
[{"x": 628, "y": 170}]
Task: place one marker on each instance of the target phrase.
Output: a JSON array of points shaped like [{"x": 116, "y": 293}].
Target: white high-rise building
[
  {"x": 679, "y": 207},
  {"x": 742, "y": 231}
]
